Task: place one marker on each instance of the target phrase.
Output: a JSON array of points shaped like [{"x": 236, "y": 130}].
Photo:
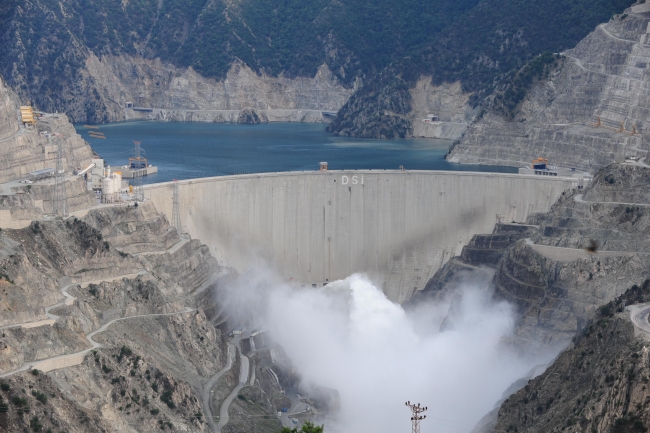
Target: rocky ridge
[
  {"x": 589, "y": 112},
  {"x": 177, "y": 94},
  {"x": 26, "y": 149},
  {"x": 542, "y": 267},
  {"x": 599, "y": 384},
  {"x": 155, "y": 354}
]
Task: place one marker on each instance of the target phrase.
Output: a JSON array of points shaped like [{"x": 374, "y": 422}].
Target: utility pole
[
  {"x": 416, "y": 417},
  {"x": 176, "y": 211},
  {"x": 59, "y": 198}
]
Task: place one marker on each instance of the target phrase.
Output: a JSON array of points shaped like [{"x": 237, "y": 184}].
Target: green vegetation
[
  {"x": 452, "y": 39},
  {"x": 42, "y": 398},
  {"x": 6, "y": 277},
  {"x": 501, "y": 36},
  {"x": 307, "y": 427},
  {"x": 124, "y": 351},
  {"x": 481, "y": 44},
  {"x": 629, "y": 424},
  {"x": 20, "y": 403},
  {"x": 35, "y": 424},
  {"x": 518, "y": 84},
  {"x": 166, "y": 397}
]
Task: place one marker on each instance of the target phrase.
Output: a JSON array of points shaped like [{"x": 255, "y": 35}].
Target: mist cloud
[{"x": 350, "y": 337}]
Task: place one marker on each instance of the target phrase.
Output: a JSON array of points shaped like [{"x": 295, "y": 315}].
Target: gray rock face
[
  {"x": 23, "y": 149},
  {"x": 599, "y": 384},
  {"x": 177, "y": 94},
  {"x": 544, "y": 271},
  {"x": 249, "y": 116},
  {"x": 592, "y": 111},
  {"x": 448, "y": 102}
]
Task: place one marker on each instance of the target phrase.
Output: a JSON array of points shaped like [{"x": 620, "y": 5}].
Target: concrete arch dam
[{"x": 400, "y": 227}]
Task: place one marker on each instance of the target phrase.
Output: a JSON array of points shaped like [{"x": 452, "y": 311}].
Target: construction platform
[{"x": 131, "y": 173}]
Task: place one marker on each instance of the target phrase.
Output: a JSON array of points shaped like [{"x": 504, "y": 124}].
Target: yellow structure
[
  {"x": 539, "y": 163},
  {"x": 27, "y": 115},
  {"x": 621, "y": 128}
]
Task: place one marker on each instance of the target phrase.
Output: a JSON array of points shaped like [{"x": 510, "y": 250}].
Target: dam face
[{"x": 400, "y": 227}]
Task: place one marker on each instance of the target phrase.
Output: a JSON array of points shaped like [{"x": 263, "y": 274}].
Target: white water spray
[{"x": 350, "y": 337}]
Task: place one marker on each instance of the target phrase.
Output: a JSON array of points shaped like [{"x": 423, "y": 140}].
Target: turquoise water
[{"x": 191, "y": 150}]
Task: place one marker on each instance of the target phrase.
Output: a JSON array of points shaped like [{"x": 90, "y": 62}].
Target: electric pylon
[
  {"x": 176, "y": 211},
  {"x": 138, "y": 189},
  {"x": 416, "y": 417},
  {"x": 59, "y": 198},
  {"x": 137, "y": 148}
]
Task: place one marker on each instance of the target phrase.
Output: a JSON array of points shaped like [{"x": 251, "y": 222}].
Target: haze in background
[
  {"x": 348, "y": 336},
  {"x": 191, "y": 150}
]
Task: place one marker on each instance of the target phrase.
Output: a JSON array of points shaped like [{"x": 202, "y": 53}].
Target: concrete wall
[{"x": 398, "y": 226}]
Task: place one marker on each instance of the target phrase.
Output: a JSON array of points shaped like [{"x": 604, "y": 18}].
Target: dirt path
[{"x": 71, "y": 359}]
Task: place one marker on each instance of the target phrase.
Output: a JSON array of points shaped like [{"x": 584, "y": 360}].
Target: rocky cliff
[
  {"x": 589, "y": 112},
  {"x": 88, "y": 60},
  {"x": 122, "y": 282},
  {"x": 180, "y": 94},
  {"x": 543, "y": 267},
  {"x": 599, "y": 384},
  {"x": 25, "y": 149}
]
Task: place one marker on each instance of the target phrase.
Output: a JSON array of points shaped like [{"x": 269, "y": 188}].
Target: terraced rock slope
[{"x": 603, "y": 81}]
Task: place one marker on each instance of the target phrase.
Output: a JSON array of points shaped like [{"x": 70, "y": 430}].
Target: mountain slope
[
  {"x": 51, "y": 49},
  {"x": 79, "y": 56},
  {"x": 590, "y": 111},
  {"x": 480, "y": 49},
  {"x": 599, "y": 384}
]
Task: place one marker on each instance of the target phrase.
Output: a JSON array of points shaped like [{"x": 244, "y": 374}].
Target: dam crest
[{"x": 398, "y": 226}]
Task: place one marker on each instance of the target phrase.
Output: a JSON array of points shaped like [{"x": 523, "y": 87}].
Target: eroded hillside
[
  {"x": 114, "y": 305},
  {"x": 587, "y": 112},
  {"x": 89, "y": 58},
  {"x": 544, "y": 268},
  {"x": 599, "y": 384}
]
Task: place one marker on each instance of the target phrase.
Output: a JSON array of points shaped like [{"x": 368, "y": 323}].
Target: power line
[
  {"x": 138, "y": 188},
  {"x": 176, "y": 212},
  {"x": 416, "y": 417}
]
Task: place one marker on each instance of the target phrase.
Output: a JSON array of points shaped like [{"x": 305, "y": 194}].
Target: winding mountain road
[
  {"x": 71, "y": 359},
  {"x": 207, "y": 388},
  {"x": 224, "y": 416},
  {"x": 639, "y": 317}
]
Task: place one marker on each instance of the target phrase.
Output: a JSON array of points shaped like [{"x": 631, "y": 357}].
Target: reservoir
[{"x": 193, "y": 150}]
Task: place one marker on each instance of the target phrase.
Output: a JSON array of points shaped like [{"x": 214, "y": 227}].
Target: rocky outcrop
[
  {"x": 378, "y": 110},
  {"x": 599, "y": 384},
  {"x": 149, "y": 374},
  {"x": 25, "y": 149},
  {"x": 543, "y": 270},
  {"x": 25, "y": 345},
  {"x": 134, "y": 229},
  {"x": 249, "y": 116},
  {"x": 488, "y": 249},
  {"x": 588, "y": 113},
  {"x": 164, "y": 92},
  {"x": 447, "y": 101}
]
